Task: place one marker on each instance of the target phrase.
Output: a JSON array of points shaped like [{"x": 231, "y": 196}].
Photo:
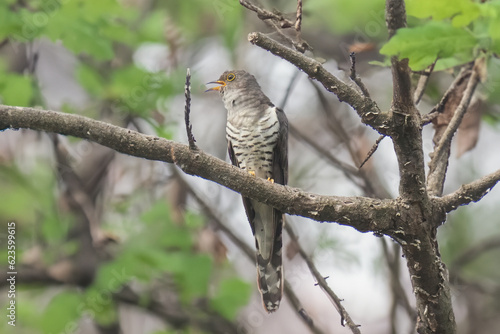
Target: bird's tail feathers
[{"x": 270, "y": 276}]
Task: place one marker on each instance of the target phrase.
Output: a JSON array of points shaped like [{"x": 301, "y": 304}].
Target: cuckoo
[{"x": 257, "y": 136}]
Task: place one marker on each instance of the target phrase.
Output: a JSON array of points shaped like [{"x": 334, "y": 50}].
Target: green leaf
[
  {"x": 16, "y": 90},
  {"x": 90, "y": 79},
  {"x": 10, "y": 22},
  {"x": 423, "y": 44},
  {"x": 62, "y": 313},
  {"x": 194, "y": 275},
  {"x": 99, "y": 303},
  {"x": 494, "y": 28},
  {"x": 152, "y": 29},
  {"x": 344, "y": 16},
  {"x": 463, "y": 11},
  {"x": 231, "y": 295}
]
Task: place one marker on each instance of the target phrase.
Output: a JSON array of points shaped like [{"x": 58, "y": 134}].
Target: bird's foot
[
  {"x": 270, "y": 180},
  {"x": 251, "y": 172}
]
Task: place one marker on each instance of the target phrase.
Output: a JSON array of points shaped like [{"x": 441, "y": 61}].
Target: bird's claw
[
  {"x": 270, "y": 180},
  {"x": 251, "y": 172}
]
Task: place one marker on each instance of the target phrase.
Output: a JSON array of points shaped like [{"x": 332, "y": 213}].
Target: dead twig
[
  {"x": 187, "y": 110},
  {"x": 267, "y": 15},
  {"x": 440, "y": 156},
  {"x": 464, "y": 73},
  {"x": 298, "y": 18},
  {"x": 354, "y": 77},
  {"x": 422, "y": 83},
  {"x": 372, "y": 150},
  {"x": 345, "y": 318}
]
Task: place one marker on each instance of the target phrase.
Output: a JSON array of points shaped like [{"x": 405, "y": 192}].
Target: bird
[{"x": 257, "y": 138}]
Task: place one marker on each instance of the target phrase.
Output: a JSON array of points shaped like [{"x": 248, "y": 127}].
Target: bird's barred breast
[{"x": 253, "y": 145}]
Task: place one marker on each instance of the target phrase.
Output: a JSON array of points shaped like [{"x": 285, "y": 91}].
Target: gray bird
[{"x": 257, "y": 136}]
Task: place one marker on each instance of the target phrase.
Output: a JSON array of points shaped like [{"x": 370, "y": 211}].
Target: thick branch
[
  {"x": 427, "y": 273},
  {"x": 406, "y": 134},
  {"x": 471, "y": 192},
  {"x": 366, "y": 108},
  {"x": 369, "y": 215}
]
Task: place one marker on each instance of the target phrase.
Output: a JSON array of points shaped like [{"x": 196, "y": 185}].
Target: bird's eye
[{"x": 231, "y": 77}]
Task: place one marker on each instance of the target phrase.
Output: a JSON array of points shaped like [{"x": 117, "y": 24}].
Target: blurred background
[{"x": 107, "y": 243}]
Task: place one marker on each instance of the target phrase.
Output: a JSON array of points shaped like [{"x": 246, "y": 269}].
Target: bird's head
[{"x": 237, "y": 79}]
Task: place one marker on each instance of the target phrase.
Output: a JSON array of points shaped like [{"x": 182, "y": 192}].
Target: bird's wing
[
  {"x": 246, "y": 201},
  {"x": 280, "y": 152},
  {"x": 270, "y": 270}
]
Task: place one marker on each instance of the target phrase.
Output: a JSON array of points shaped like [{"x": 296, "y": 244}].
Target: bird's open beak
[{"x": 217, "y": 88}]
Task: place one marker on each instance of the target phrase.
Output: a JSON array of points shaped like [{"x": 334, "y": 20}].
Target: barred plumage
[{"x": 257, "y": 134}]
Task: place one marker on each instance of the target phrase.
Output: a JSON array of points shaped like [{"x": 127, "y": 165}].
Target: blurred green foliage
[
  {"x": 160, "y": 249},
  {"x": 452, "y": 31},
  {"x": 345, "y": 16},
  {"x": 104, "y": 35}
]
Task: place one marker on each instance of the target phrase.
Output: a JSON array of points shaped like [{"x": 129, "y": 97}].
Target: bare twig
[
  {"x": 422, "y": 83},
  {"x": 398, "y": 291},
  {"x": 266, "y": 15},
  {"x": 348, "y": 170},
  {"x": 439, "y": 162},
  {"x": 464, "y": 73},
  {"x": 471, "y": 192},
  {"x": 472, "y": 253},
  {"x": 292, "y": 83},
  {"x": 372, "y": 150},
  {"x": 354, "y": 77},
  {"x": 372, "y": 186},
  {"x": 298, "y": 18},
  {"x": 345, "y": 318},
  {"x": 187, "y": 110}
]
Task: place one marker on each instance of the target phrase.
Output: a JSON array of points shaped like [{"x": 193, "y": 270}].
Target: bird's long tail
[{"x": 270, "y": 271}]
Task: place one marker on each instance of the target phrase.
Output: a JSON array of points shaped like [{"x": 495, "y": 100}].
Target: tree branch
[
  {"x": 266, "y": 15},
  {"x": 187, "y": 111},
  {"x": 441, "y": 154},
  {"x": 471, "y": 192},
  {"x": 370, "y": 214},
  {"x": 345, "y": 318},
  {"x": 472, "y": 253},
  {"x": 366, "y": 108},
  {"x": 464, "y": 73}
]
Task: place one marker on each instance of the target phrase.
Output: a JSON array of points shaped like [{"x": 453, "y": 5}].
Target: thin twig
[
  {"x": 291, "y": 84},
  {"x": 187, "y": 110},
  {"x": 298, "y": 18},
  {"x": 349, "y": 171},
  {"x": 372, "y": 185},
  {"x": 354, "y": 77},
  {"x": 422, "y": 83},
  {"x": 464, "y": 73},
  {"x": 372, "y": 150},
  {"x": 345, "y": 318},
  {"x": 266, "y": 15},
  {"x": 472, "y": 253},
  {"x": 439, "y": 162},
  {"x": 398, "y": 291}
]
